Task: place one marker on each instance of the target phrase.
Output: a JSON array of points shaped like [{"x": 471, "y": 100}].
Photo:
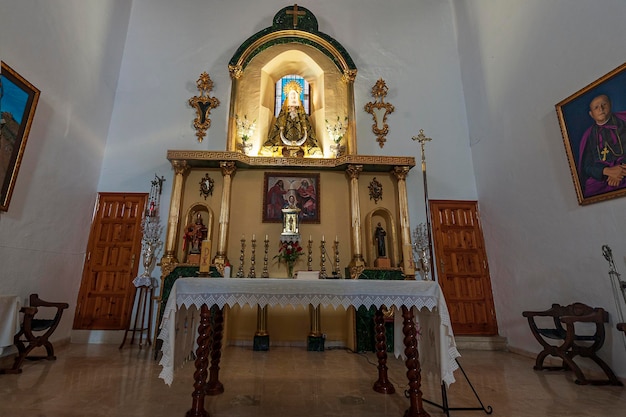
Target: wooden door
[
  {"x": 462, "y": 268},
  {"x": 106, "y": 295}
]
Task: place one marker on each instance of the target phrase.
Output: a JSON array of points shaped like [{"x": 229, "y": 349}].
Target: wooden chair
[
  {"x": 26, "y": 340},
  {"x": 572, "y": 343}
]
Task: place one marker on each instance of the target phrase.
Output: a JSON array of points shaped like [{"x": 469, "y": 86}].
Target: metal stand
[
  {"x": 444, "y": 399},
  {"x": 618, "y": 286},
  {"x": 422, "y": 139},
  {"x": 143, "y": 302}
]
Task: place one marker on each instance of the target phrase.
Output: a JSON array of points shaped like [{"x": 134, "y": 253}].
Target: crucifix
[
  {"x": 296, "y": 14},
  {"x": 604, "y": 153}
]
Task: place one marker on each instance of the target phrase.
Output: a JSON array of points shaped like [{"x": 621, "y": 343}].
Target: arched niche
[
  {"x": 291, "y": 46},
  {"x": 190, "y": 216},
  {"x": 385, "y": 218}
]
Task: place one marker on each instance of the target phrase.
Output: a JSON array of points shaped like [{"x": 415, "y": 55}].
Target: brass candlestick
[
  {"x": 336, "y": 271},
  {"x": 252, "y": 273},
  {"x": 309, "y": 262},
  {"x": 323, "y": 259},
  {"x": 241, "y": 258},
  {"x": 265, "y": 273}
]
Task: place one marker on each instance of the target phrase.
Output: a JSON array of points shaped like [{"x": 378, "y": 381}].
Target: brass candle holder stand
[
  {"x": 323, "y": 259},
  {"x": 265, "y": 273},
  {"x": 241, "y": 258},
  {"x": 309, "y": 259},
  {"x": 336, "y": 270},
  {"x": 252, "y": 273}
]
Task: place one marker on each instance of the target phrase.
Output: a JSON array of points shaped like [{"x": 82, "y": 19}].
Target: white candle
[
  {"x": 310, "y": 238},
  {"x": 266, "y": 237},
  {"x": 322, "y": 238},
  {"x": 253, "y": 237},
  {"x": 337, "y": 238}
]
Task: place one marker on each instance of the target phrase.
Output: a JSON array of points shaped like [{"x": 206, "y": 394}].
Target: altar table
[{"x": 424, "y": 317}]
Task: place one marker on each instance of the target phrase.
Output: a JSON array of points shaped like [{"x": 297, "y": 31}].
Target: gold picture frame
[
  {"x": 18, "y": 101},
  {"x": 591, "y": 148},
  {"x": 302, "y": 190}
]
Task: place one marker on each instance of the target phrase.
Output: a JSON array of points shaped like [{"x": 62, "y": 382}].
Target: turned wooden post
[{"x": 382, "y": 385}]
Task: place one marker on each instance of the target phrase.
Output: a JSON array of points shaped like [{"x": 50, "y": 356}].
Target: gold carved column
[
  {"x": 228, "y": 171},
  {"x": 353, "y": 172},
  {"x": 348, "y": 77},
  {"x": 235, "y": 74},
  {"x": 400, "y": 172},
  {"x": 181, "y": 170}
]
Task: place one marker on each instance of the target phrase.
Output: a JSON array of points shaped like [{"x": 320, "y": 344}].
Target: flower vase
[
  {"x": 289, "y": 270},
  {"x": 337, "y": 150},
  {"x": 246, "y": 147}
]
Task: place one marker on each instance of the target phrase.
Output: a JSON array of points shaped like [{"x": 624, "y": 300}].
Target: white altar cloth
[
  {"x": 437, "y": 347},
  {"x": 9, "y": 319}
]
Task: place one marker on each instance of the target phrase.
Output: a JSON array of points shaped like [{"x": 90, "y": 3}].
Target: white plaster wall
[
  {"x": 71, "y": 50},
  {"x": 411, "y": 45},
  {"x": 518, "y": 59}
]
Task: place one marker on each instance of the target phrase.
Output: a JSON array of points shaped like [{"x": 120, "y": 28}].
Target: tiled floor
[{"x": 100, "y": 380}]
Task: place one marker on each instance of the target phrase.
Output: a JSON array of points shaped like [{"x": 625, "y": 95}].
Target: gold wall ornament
[
  {"x": 376, "y": 190},
  {"x": 203, "y": 105},
  {"x": 206, "y": 186},
  {"x": 379, "y": 111}
]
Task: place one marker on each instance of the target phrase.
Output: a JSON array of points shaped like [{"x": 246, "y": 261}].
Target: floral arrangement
[
  {"x": 289, "y": 252},
  {"x": 245, "y": 128},
  {"x": 337, "y": 130}
]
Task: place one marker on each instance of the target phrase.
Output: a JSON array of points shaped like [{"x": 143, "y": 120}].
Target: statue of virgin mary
[{"x": 292, "y": 128}]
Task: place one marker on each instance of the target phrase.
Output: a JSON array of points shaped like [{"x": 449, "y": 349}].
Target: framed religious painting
[
  {"x": 593, "y": 126},
  {"x": 283, "y": 190},
  {"x": 18, "y": 100}
]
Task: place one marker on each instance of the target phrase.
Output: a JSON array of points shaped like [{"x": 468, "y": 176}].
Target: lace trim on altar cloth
[
  {"x": 325, "y": 300},
  {"x": 437, "y": 348}
]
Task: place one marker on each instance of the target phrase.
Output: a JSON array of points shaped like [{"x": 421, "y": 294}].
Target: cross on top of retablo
[{"x": 296, "y": 14}]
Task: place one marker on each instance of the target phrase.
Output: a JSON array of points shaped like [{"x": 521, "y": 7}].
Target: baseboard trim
[{"x": 495, "y": 343}]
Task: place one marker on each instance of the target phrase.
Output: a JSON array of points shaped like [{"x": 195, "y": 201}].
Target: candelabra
[
  {"x": 323, "y": 259},
  {"x": 151, "y": 244},
  {"x": 265, "y": 273},
  {"x": 336, "y": 270},
  {"x": 421, "y": 248},
  {"x": 151, "y": 234},
  {"x": 241, "y": 258},
  {"x": 252, "y": 273}
]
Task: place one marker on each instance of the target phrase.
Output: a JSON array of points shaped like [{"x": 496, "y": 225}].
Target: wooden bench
[
  {"x": 572, "y": 343},
  {"x": 30, "y": 335}
]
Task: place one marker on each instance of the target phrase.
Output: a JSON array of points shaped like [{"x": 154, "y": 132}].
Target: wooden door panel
[
  {"x": 462, "y": 267},
  {"x": 106, "y": 296}
]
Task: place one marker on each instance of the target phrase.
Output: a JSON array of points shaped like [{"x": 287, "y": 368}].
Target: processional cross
[
  {"x": 296, "y": 14},
  {"x": 422, "y": 139}
]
